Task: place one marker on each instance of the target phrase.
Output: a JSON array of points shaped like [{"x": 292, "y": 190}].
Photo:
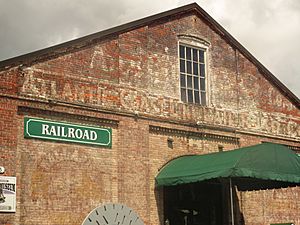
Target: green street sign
[{"x": 58, "y": 131}]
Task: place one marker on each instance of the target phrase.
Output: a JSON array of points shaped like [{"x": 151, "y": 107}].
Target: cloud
[
  {"x": 33, "y": 24},
  {"x": 268, "y": 29}
]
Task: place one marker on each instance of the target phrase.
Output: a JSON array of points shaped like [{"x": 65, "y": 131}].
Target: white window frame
[{"x": 195, "y": 42}]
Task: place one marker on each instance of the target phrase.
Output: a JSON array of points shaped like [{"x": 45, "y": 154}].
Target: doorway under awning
[
  {"x": 262, "y": 166},
  {"x": 258, "y": 167}
]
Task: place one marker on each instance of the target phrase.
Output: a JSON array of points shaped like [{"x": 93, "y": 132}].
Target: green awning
[{"x": 256, "y": 167}]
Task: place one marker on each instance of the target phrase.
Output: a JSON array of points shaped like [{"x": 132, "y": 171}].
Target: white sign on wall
[{"x": 7, "y": 194}]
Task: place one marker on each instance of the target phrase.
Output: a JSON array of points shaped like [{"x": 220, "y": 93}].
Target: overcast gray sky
[{"x": 269, "y": 29}]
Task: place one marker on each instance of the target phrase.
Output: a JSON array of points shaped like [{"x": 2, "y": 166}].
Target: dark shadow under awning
[{"x": 263, "y": 166}]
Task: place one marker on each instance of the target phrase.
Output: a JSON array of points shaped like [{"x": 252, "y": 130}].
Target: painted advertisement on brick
[
  {"x": 7, "y": 194},
  {"x": 121, "y": 98}
]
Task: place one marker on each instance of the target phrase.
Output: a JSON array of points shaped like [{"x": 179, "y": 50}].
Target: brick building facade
[{"x": 130, "y": 79}]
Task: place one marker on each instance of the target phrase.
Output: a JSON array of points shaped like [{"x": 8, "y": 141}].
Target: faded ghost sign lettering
[{"x": 115, "y": 96}]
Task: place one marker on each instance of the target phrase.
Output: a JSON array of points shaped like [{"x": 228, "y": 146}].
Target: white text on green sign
[{"x": 59, "y": 131}]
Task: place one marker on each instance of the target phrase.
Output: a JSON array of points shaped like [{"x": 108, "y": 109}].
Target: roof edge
[
  {"x": 265, "y": 72},
  {"x": 85, "y": 40},
  {"x": 78, "y": 43}
]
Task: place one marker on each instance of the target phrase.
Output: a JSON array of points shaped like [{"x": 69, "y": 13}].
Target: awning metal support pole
[{"x": 231, "y": 202}]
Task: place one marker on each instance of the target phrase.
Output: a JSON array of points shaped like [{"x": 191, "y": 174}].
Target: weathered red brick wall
[
  {"x": 132, "y": 81},
  {"x": 8, "y": 145},
  {"x": 58, "y": 182},
  {"x": 271, "y": 206}
]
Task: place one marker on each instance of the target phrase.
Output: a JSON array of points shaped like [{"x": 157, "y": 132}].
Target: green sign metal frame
[{"x": 67, "y": 132}]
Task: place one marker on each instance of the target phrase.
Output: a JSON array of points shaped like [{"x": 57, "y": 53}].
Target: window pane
[
  {"x": 189, "y": 67},
  {"x": 189, "y": 82},
  {"x": 196, "y": 83},
  {"x": 192, "y": 75},
  {"x": 203, "y": 98},
  {"x": 183, "y": 94},
  {"x": 188, "y": 53},
  {"x": 195, "y": 55},
  {"x": 201, "y": 56},
  {"x": 182, "y": 80},
  {"x": 197, "y": 97},
  {"x": 182, "y": 65},
  {"x": 202, "y": 84},
  {"x": 195, "y": 68},
  {"x": 190, "y": 96},
  {"x": 181, "y": 50},
  {"x": 202, "y": 70}
]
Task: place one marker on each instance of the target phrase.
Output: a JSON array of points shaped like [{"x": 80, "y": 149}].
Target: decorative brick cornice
[
  {"x": 292, "y": 147},
  {"x": 295, "y": 148},
  {"x": 202, "y": 135},
  {"x": 56, "y": 114}
]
